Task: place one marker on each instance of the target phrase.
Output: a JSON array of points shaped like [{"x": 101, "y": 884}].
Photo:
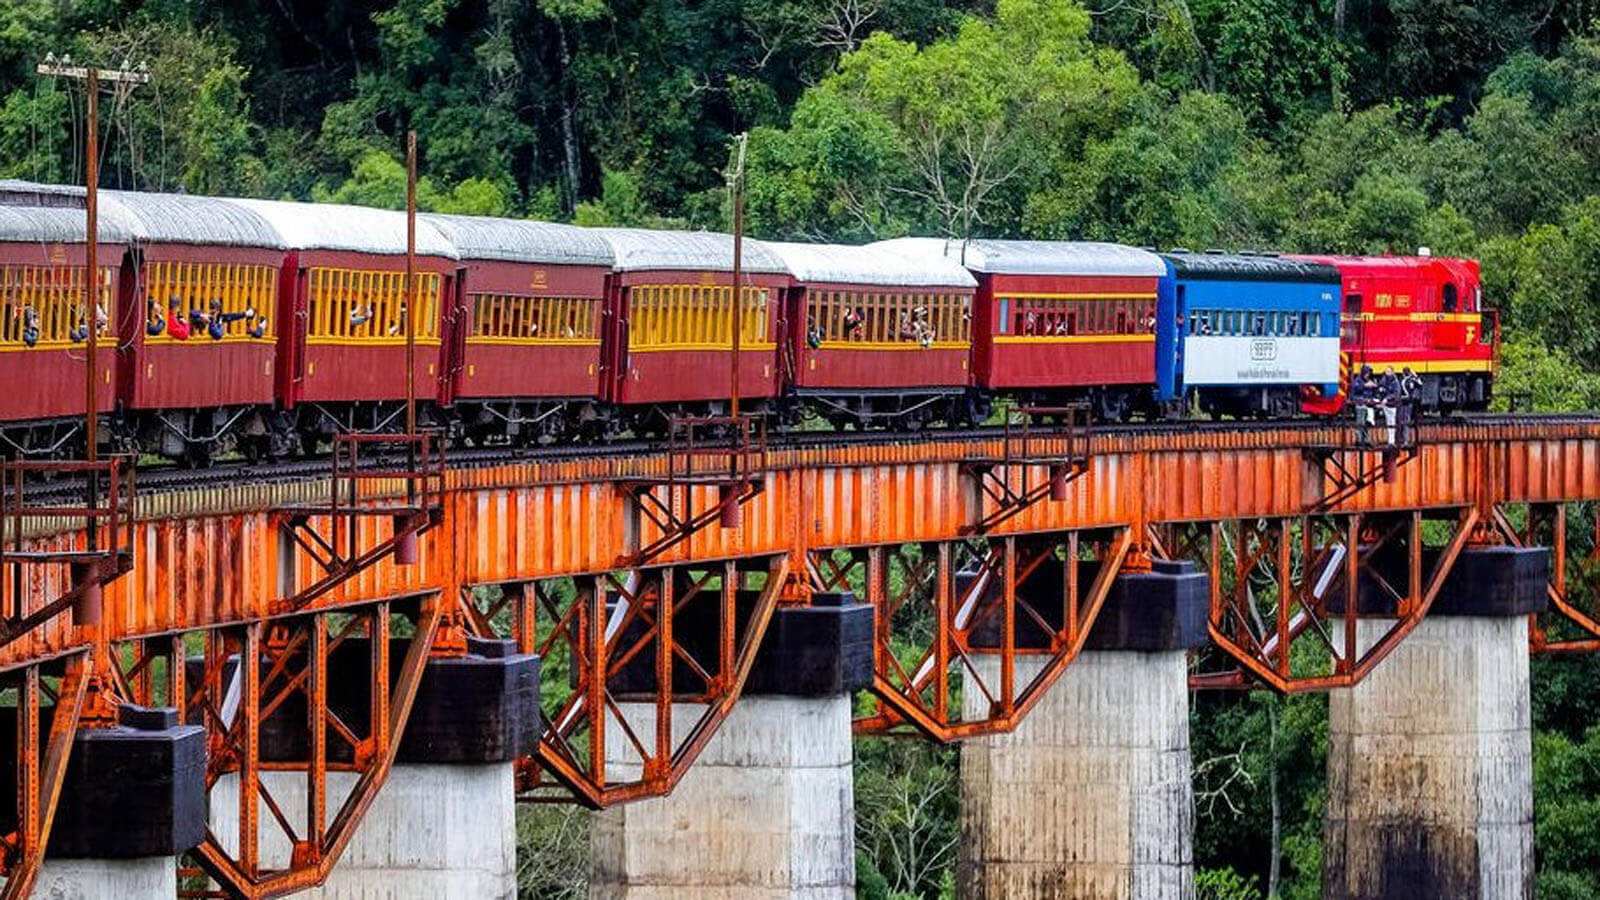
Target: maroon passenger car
[
  {"x": 877, "y": 338},
  {"x": 526, "y": 361},
  {"x": 342, "y": 311},
  {"x": 1059, "y": 320},
  {"x": 42, "y": 324},
  {"x": 670, "y": 323}
]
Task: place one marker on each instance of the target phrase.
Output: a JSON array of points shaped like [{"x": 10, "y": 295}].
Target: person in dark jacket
[
  {"x": 1410, "y": 388},
  {"x": 1390, "y": 400},
  {"x": 1361, "y": 397},
  {"x": 30, "y": 326}
]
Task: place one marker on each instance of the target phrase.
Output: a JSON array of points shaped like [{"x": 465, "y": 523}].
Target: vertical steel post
[
  {"x": 316, "y": 721},
  {"x": 736, "y": 187},
  {"x": 942, "y": 634},
  {"x": 1285, "y": 595},
  {"x": 249, "y": 674},
  {"x": 1008, "y": 631},
  {"x": 91, "y": 279},
  {"x": 410, "y": 292},
  {"x": 1352, "y": 593},
  {"x": 665, "y": 599},
  {"x": 595, "y": 695},
  {"x": 1069, "y": 587}
]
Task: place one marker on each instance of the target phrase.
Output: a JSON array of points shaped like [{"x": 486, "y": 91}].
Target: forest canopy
[
  {"x": 1335, "y": 125},
  {"x": 1470, "y": 127}
]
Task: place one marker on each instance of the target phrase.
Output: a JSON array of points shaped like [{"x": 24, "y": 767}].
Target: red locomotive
[{"x": 1424, "y": 314}]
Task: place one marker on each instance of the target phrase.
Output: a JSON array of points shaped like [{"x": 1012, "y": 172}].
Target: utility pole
[
  {"x": 410, "y": 290},
  {"x": 736, "y": 188},
  {"x": 87, "y": 610},
  {"x": 92, "y": 78}
]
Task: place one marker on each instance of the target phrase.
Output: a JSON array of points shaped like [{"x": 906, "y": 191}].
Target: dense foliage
[{"x": 1469, "y": 126}]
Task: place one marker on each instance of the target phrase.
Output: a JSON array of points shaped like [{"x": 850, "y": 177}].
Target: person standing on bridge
[
  {"x": 1362, "y": 389},
  {"x": 1410, "y": 385},
  {"x": 1389, "y": 395}
]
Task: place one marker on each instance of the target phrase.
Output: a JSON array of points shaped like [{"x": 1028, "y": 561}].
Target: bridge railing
[{"x": 102, "y": 551}]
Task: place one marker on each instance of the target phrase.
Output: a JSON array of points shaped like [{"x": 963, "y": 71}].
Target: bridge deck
[{"x": 213, "y": 556}]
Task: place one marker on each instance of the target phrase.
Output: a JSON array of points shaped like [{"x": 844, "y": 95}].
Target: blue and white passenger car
[{"x": 1246, "y": 335}]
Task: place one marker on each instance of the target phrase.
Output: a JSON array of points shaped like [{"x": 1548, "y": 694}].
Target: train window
[
  {"x": 231, "y": 302},
  {"x": 1066, "y": 316},
  {"x": 502, "y": 318},
  {"x": 369, "y": 306},
  {"x": 860, "y": 317},
  {"x": 42, "y": 306},
  {"x": 666, "y": 315},
  {"x": 1451, "y": 297}
]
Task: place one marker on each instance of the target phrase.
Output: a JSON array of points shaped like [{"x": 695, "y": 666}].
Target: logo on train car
[
  {"x": 1263, "y": 350},
  {"x": 541, "y": 279},
  {"x": 58, "y": 254}
]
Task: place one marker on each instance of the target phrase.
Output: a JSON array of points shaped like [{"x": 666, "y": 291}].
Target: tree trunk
[
  {"x": 1274, "y": 869},
  {"x": 569, "y": 127}
]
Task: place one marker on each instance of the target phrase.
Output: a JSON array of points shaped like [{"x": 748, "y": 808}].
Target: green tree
[
  {"x": 978, "y": 121},
  {"x": 1188, "y": 173}
]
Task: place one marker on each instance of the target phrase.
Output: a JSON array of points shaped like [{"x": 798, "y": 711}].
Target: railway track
[{"x": 164, "y": 477}]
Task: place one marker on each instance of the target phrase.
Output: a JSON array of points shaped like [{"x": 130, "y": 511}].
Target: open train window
[
  {"x": 1451, "y": 297},
  {"x": 44, "y": 304}
]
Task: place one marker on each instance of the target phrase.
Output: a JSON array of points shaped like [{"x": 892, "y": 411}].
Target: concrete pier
[
  {"x": 767, "y": 813},
  {"x": 1090, "y": 797},
  {"x": 433, "y": 831},
  {"x": 133, "y": 800},
  {"x": 444, "y": 822},
  {"x": 106, "y": 879},
  {"x": 1430, "y": 780}
]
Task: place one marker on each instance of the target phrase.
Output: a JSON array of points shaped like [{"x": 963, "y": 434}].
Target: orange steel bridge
[{"x": 597, "y": 561}]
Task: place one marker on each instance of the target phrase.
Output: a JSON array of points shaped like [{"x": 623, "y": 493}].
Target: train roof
[
  {"x": 871, "y": 265},
  {"x": 59, "y": 225},
  {"x": 521, "y": 240},
  {"x": 188, "y": 219},
  {"x": 1007, "y": 257},
  {"x": 644, "y": 249},
  {"x": 1457, "y": 265},
  {"x": 336, "y": 226},
  {"x": 156, "y": 217},
  {"x": 1250, "y": 267},
  {"x": 17, "y": 192},
  {"x": 134, "y": 215}
]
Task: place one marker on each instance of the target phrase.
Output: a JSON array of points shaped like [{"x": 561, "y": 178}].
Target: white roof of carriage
[
  {"x": 335, "y": 226},
  {"x": 521, "y": 240},
  {"x": 189, "y": 219},
  {"x": 59, "y": 225},
  {"x": 154, "y": 217},
  {"x": 643, "y": 249},
  {"x": 1004, "y": 257},
  {"x": 871, "y": 265}
]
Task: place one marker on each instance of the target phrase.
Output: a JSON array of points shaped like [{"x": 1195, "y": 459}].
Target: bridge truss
[{"x": 235, "y": 604}]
